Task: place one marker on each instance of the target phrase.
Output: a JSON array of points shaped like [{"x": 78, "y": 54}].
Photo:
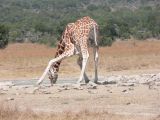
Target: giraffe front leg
[
  {"x": 62, "y": 56},
  {"x": 79, "y": 62},
  {"x": 45, "y": 72},
  {"x": 84, "y": 62}
]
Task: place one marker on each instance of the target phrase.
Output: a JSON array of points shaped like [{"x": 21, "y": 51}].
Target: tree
[{"x": 4, "y": 36}]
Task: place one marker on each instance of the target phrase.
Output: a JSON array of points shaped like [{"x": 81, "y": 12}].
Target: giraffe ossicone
[{"x": 75, "y": 40}]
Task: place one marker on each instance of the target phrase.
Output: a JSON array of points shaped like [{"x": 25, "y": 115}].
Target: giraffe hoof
[
  {"x": 36, "y": 89},
  {"x": 92, "y": 84},
  {"x": 38, "y": 82}
]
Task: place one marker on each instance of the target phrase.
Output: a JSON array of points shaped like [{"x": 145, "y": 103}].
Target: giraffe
[{"x": 75, "y": 40}]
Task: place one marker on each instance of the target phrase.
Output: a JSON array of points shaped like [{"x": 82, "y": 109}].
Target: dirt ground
[
  {"x": 109, "y": 101},
  {"x": 138, "y": 102}
]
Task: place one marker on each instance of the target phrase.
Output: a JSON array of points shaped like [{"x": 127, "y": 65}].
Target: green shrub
[{"x": 4, "y": 35}]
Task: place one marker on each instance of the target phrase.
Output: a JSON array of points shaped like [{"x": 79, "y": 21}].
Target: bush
[
  {"x": 4, "y": 36},
  {"x": 47, "y": 39},
  {"x": 106, "y": 41}
]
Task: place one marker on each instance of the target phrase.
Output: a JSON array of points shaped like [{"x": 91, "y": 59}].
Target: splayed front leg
[
  {"x": 85, "y": 59},
  {"x": 45, "y": 72},
  {"x": 67, "y": 53},
  {"x": 79, "y": 62}
]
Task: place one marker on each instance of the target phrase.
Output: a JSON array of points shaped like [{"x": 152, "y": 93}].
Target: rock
[
  {"x": 126, "y": 84},
  {"x": 77, "y": 86},
  {"x": 156, "y": 77},
  {"x": 2, "y": 93},
  {"x": 143, "y": 81},
  {"x": 91, "y": 92},
  {"x": 10, "y": 98},
  {"x": 20, "y": 87},
  {"x": 128, "y": 103},
  {"x": 92, "y": 87},
  {"x": 4, "y": 88},
  {"x": 157, "y": 83},
  {"x": 64, "y": 88},
  {"x": 46, "y": 92},
  {"x": 114, "y": 79},
  {"x": 131, "y": 89},
  {"x": 124, "y": 90},
  {"x": 6, "y": 84},
  {"x": 107, "y": 82},
  {"x": 59, "y": 90}
]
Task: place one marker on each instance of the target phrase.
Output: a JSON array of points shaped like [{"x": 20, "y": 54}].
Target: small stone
[
  {"x": 92, "y": 92},
  {"x": 20, "y": 87},
  {"x": 59, "y": 90},
  {"x": 5, "y": 88},
  {"x": 92, "y": 87},
  {"x": 77, "y": 87},
  {"x": 131, "y": 89},
  {"x": 128, "y": 103},
  {"x": 126, "y": 84},
  {"x": 124, "y": 90},
  {"x": 157, "y": 83},
  {"x": 46, "y": 92},
  {"x": 6, "y": 84},
  {"x": 107, "y": 82},
  {"x": 10, "y": 98}
]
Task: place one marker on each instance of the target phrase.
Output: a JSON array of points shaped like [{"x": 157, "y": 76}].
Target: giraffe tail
[{"x": 95, "y": 36}]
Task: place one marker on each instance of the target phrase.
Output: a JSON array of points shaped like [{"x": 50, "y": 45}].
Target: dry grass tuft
[{"x": 11, "y": 112}]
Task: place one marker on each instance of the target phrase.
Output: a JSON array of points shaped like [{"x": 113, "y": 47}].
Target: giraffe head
[{"x": 53, "y": 76}]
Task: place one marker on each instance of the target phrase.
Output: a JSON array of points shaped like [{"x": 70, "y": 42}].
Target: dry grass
[
  {"x": 126, "y": 56},
  {"x": 11, "y": 112},
  {"x": 29, "y": 60}
]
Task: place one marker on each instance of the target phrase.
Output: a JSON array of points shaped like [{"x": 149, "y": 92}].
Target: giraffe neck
[
  {"x": 59, "y": 51},
  {"x": 53, "y": 72}
]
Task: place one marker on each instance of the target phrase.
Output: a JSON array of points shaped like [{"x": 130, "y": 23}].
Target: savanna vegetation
[{"x": 43, "y": 21}]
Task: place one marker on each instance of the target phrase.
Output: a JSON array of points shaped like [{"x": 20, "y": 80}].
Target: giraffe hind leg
[{"x": 95, "y": 50}]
